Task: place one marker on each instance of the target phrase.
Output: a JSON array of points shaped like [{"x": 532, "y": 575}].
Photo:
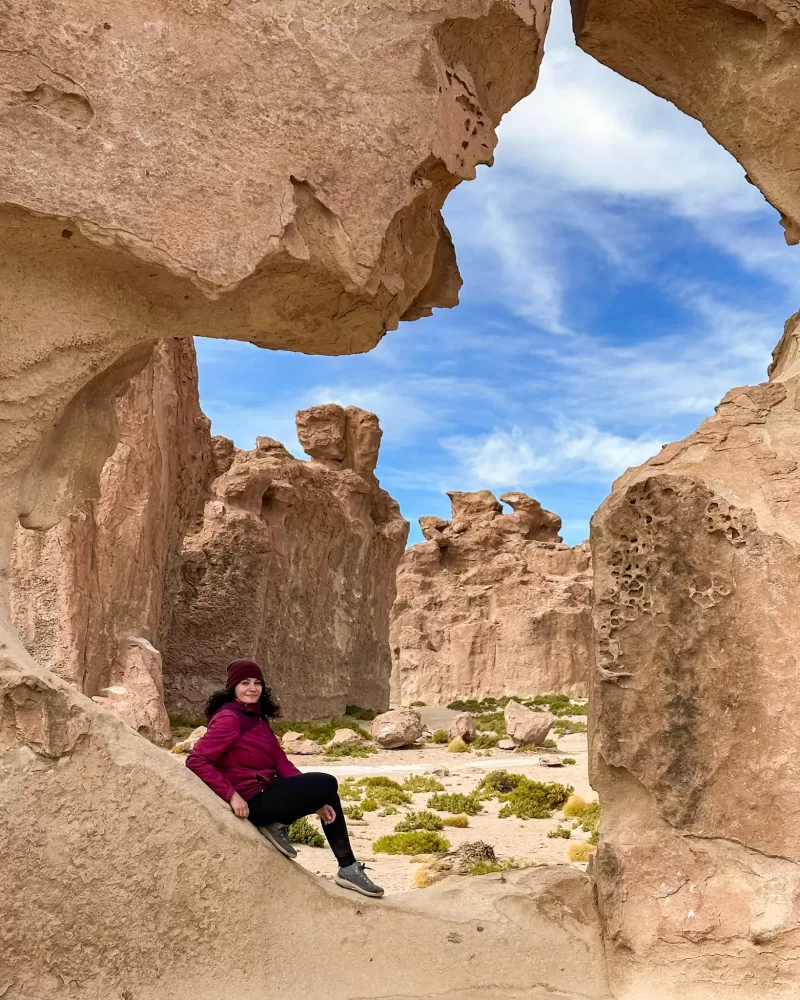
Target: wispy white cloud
[{"x": 532, "y": 456}]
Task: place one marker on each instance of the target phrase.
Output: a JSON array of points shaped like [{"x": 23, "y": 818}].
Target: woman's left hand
[{"x": 327, "y": 814}]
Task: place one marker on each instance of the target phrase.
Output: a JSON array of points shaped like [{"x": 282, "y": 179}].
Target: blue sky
[{"x": 620, "y": 275}]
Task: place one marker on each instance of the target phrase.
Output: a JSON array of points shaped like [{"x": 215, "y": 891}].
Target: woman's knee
[{"x": 326, "y": 783}]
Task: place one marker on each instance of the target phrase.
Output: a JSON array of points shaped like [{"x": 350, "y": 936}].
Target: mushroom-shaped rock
[
  {"x": 400, "y": 727},
  {"x": 526, "y": 727},
  {"x": 464, "y": 726}
]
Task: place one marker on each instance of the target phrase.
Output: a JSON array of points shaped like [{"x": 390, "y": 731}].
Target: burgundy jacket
[{"x": 239, "y": 753}]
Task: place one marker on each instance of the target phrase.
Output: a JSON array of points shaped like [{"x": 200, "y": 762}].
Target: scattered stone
[
  {"x": 187, "y": 745},
  {"x": 463, "y": 726},
  {"x": 550, "y": 760},
  {"x": 400, "y": 727},
  {"x": 506, "y": 744},
  {"x": 526, "y": 727},
  {"x": 344, "y": 737},
  {"x": 300, "y": 744},
  {"x": 440, "y": 772}
]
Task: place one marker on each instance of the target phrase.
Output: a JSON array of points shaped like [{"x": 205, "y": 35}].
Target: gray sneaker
[
  {"x": 278, "y": 835},
  {"x": 354, "y": 877}
]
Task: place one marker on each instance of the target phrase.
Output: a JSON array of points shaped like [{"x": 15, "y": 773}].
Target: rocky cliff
[
  {"x": 492, "y": 603},
  {"x": 294, "y": 565},
  {"x": 92, "y": 597},
  {"x": 695, "y": 701}
]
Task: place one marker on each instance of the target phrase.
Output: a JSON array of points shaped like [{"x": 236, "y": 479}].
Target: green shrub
[
  {"x": 557, "y": 704},
  {"x": 422, "y": 783},
  {"x": 460, "y": 820},
  {"x": 580, "y": 852},
  {"x": 415, "y": 842},
  {"x": 591, "y": 822},
  {"x": 343, "y": 750},
  {"x": 353, "y": 812},
  {"x": 419, "y": 821},
  {"x": 441, "y": 736},
  {"x": 496, "y": 723},
  {"x": 455, "y": 802},
  {"x": 485, "y": 741},
  {"x": 389, "y": 811},
  {"x": 532, "y": 799},
  {"x": 457, "y": 746},
  {"x": 560, "y": 832},
  {"x": 385, "y": 791},
  {"x": 498, "y": 783},
  {"x": 319, "y": 731},
  {"x": 568, "y": 760},
  {"x": 575, "y": 806},
  {"x": 303, "y": 832},
  {"x": 356, "y": 712},
  {"x": 417, "y": 704},
  {"x": 369, "y": 805},
  {"x": 562, "y": 727},
  {"x": 488, "y": 867},
  {"x": 349, "y": 790}
]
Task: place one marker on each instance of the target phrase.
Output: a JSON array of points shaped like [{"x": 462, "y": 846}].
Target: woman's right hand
[{"x": 239, "y": 806}]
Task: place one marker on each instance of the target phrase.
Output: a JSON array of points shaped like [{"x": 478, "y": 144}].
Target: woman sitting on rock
[{"x": 241, "y": 759}]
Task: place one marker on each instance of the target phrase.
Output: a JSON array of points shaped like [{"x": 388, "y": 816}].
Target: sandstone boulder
[
  {"x": 187, "y": 745},
  {"x": 344, "y": 737},
  {"x": 491, "y": 603},
  {"x": 506, "y": 744},
  {"x": 292, "y": 563},
  {"x": 526, "y": 727},
  {"x": 463, "y": 726},
  {"x": 399, "y": 727},
  {"x": 296, "y": 743},
  {"x": 694, "y": 704}
]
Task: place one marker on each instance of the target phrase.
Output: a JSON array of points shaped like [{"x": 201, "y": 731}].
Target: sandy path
[{"x": 521, "y": 839}]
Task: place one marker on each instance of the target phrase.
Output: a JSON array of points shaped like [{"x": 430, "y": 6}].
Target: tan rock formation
[
  {"x": 134, "y": 885},
  {"x": 93, "y": 595},
  {"x": 294, "y": 565},
  {"x": 491, "y": 604},
  {"x": 526, "y": 727},
  {"x": 695, "y": 739},
  {"x": 400, "y": 727},
  {"x": 732, "y": 64}
]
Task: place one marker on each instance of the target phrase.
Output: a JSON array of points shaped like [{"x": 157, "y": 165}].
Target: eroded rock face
[
  {"x": 732, "y": 64},
  {"x": 491, "y": 604},
  {"x": 90, "y": 590},
  {"x": 695, "y": 703},
  {"x": 294, "y": 565}
]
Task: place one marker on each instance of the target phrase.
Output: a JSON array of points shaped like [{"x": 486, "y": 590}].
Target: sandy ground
[{"x": 524, "y": 840}]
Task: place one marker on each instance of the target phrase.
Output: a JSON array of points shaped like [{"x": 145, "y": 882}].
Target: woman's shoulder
[{"x": 224, "y": 718}]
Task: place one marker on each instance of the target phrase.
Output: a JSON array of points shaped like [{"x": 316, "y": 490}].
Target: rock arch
[{"x": 275, "y": 173}]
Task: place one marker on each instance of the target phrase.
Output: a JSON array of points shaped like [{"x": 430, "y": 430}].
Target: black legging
[{"x": 287, "y": 799}]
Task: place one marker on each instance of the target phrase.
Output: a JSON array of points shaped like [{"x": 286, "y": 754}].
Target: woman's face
[{"x": 248, "y": 690}]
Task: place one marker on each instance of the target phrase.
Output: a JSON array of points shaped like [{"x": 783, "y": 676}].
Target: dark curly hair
[{"x": 270, "y": 709}]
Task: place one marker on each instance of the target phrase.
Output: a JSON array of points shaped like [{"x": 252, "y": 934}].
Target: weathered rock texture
[
  {"x": 733, "y": 64},
  {"x": 266, "y": 172},
  {"x": 90, "y": 591},
  {"x": 491, "y": 604},
  {"x": 293, "y": 565},
  {"x": 695, "y": 744}
]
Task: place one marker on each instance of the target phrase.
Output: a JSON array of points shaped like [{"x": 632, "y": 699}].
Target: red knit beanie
[{"x": 240, "y": 670}]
